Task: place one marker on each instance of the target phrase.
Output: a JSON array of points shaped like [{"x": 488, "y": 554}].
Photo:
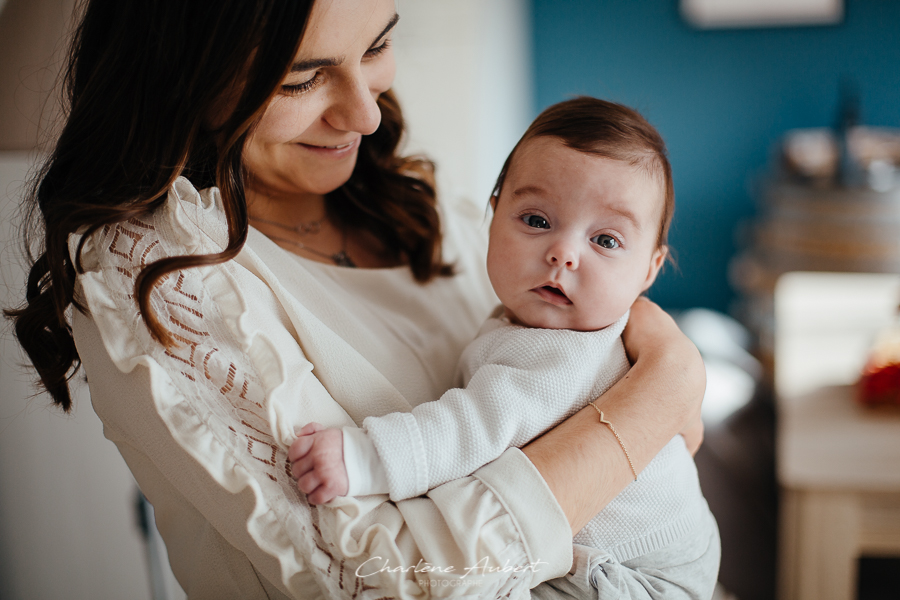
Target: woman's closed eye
[
  {"x": 380, "y": 48},
  {"x": 536, "y": 221},
  {"x": 303, "y": 86},
  {"x": 316, "y": 77},
  {"x": 606, "y": 241}
]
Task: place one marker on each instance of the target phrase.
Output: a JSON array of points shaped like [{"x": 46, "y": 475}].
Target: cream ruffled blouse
[{"x": 266, "y": 343}]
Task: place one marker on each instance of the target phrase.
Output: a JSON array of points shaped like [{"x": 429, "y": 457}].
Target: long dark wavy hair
[{"x": 141, "y": 81}]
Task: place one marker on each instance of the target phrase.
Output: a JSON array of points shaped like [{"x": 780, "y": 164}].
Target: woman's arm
[{"x": 580, "y": 459}]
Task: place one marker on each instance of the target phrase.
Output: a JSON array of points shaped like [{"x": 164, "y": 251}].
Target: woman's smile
[{"x": 333, "y": 151}]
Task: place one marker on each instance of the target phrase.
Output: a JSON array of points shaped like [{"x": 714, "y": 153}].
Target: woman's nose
[
  {"x": 356, "y": 107},
  {"x": 563, "y": 254}
]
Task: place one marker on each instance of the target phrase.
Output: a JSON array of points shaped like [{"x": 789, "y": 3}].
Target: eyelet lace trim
[{"x": 226, "y": 424}]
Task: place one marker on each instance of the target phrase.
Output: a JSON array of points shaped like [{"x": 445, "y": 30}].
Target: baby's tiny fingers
[
  {"x": 302, "y": 466},
  {"x": 309, "y": 428},
  {"x": 321, "y": 496},
  {"x": 300, "y": 447},
  {"x": 328, "y": 490},
  {"x": 308, "y": 482}
]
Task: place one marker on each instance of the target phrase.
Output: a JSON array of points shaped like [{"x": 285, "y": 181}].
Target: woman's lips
[
  {"x": 335, "y": 150},
  {"x": 553, "y": 295}
]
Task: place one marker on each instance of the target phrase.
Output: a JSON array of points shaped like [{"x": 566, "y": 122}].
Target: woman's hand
[
  {"x": 317, "y": 463},
  {"x": 693, "y": 434},
  {"x": 660, "y": 396},
  {"x": 650, "y": 330}
]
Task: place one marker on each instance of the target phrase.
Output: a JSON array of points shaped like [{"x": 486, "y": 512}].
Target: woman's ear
[
  {"x": 493, "y": 202},
  {"x": 656, "y": 262}
]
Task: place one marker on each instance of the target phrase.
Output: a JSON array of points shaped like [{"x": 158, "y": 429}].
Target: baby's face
[{"x": 574, "y": 237}]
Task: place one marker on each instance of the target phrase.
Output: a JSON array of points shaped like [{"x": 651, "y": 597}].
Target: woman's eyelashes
[
  {"x": 376, "y": 50},
  {"x": 305, "y": 86}
]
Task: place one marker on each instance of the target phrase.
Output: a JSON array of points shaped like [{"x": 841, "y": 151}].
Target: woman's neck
[
  {"x": 289, "y": 209},
  {"x": 299, "y": 223}
]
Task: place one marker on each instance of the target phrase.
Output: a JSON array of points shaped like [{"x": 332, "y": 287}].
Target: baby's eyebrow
[
  {"x": 530, "y": 189},
  {"x": 628, "y": 215}
]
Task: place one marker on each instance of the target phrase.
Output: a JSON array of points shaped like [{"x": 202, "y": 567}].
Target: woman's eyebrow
[
  {"x": 387, "y": 28},
  {"x": 315, "y": 63},
  {"x": 318, "y": 63}
]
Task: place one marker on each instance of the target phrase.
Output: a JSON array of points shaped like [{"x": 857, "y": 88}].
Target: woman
[{"x": 221, "y": 168}]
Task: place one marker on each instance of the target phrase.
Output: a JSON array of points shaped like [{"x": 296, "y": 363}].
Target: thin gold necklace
[
  {"x": 310, "y": 227},
  {"x": 339, "y": 258}
]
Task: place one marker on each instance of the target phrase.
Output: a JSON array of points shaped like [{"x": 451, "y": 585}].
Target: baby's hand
[{"x": 317, "y": 463}]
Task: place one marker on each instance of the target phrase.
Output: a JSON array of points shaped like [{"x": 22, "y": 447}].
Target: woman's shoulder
[
  {"x": 189, "y": 221},
  {"x": 111, "y": 259}
]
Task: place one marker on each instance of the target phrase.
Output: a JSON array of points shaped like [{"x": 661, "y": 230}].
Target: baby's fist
[{"x": 317, "y": 463}]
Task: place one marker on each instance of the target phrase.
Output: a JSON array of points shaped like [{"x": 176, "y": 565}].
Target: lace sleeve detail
[
  {"x": 211, "y": 389},
  {"x": 225, "y": 393}
]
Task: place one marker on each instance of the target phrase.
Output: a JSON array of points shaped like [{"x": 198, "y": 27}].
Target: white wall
[
  {"x": 463, "y": 78},
  {"x": 66, "y": 521}
]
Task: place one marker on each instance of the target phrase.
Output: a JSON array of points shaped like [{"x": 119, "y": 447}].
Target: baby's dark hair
[{"x": 609, "y": 130}]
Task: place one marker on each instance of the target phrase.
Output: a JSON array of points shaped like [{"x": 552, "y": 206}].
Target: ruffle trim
[{"x": 191, "y": 222}]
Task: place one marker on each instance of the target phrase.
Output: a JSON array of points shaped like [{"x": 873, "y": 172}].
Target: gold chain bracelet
[{"x": 618, "y": 439}]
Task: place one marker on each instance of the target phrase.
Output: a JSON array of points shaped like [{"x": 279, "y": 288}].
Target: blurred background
[{"x": 780, "y": 120}]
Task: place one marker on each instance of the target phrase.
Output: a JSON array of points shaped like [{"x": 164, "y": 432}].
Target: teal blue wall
[{"x": 720, "y": 98}]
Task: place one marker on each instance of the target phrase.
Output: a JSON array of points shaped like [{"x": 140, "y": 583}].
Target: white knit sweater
[{"x": 520, "y": 382}]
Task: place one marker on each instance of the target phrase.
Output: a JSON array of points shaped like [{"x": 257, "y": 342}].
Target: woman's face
[{"x": 307, "y": 140}]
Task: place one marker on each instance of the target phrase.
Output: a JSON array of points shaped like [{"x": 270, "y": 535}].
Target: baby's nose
[{"x": 563, "y": 254}]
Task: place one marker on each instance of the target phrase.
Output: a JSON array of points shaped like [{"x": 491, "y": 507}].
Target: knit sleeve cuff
[{"x": 365, "y": 470}]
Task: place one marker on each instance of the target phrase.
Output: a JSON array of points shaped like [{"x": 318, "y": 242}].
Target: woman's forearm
[{"x": 580, "y": 459}]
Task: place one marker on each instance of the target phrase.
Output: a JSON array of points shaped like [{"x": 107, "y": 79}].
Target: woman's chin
[
  {"x": 331, "y": 186},
  {"x": 328, "y": 180},
  {"x": 325, "y": 183}
]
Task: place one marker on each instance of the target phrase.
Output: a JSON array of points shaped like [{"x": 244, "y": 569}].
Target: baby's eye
[
  {"x": 606, "y": 241},
  {"x": 536, "y": 221}
]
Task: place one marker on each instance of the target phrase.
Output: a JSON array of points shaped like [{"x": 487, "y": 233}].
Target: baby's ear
[{"x": 656, "y": 262}]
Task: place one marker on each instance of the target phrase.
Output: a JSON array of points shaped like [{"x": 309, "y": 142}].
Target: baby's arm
[
  {"x": 521, "y": 387},
  {"x": 522, "y": 382},
  {"x": 317, "y": 463},
  {"x": 439, "y": 441}
]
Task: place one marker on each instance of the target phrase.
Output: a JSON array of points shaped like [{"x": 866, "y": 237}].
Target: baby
[{"x": 582, "y": 209}]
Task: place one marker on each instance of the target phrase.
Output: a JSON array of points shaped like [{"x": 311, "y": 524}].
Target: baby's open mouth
[
  {"x": 552, "y": 294},
  {"x": 554, "y": 290}
]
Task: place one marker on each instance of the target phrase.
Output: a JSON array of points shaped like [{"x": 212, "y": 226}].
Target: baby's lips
[{"x": 553, "y": 293}]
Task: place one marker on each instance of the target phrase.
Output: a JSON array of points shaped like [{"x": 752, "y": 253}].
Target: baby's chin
[{"x": 572, "y": 322}]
